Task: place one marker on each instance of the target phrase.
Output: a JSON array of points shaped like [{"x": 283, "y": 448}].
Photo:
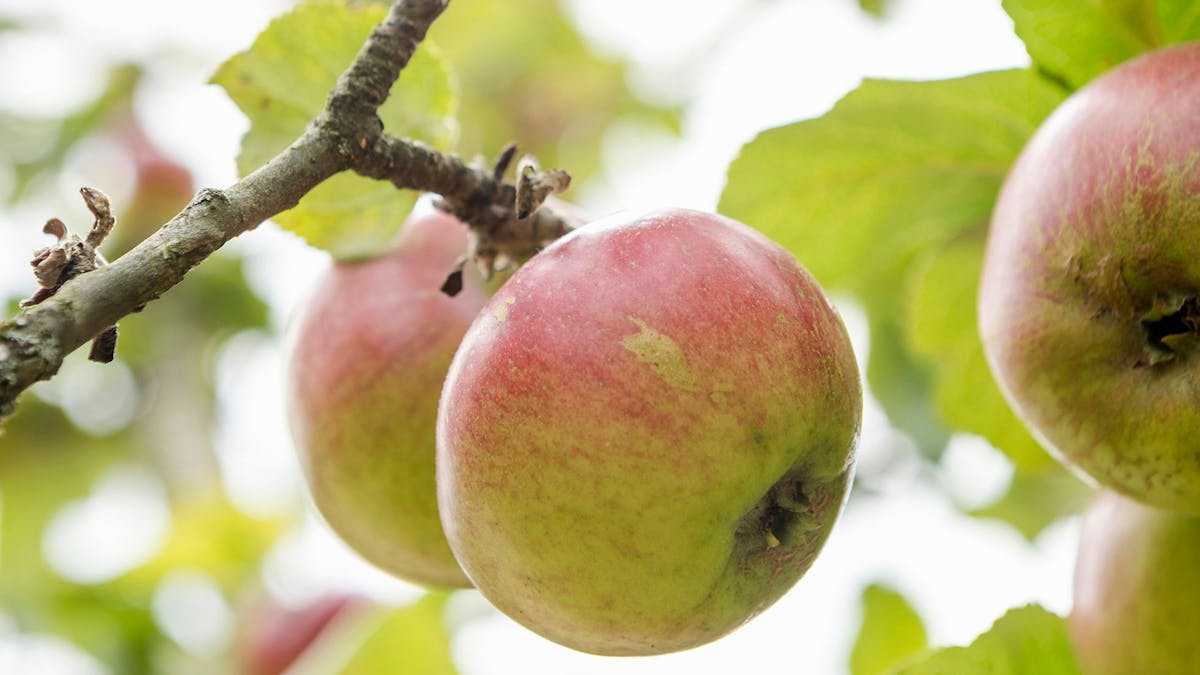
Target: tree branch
[{"x": 348, "y": 134}]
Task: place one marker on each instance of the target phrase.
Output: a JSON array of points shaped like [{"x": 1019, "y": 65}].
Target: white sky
[{"x": 792, "y": 60}]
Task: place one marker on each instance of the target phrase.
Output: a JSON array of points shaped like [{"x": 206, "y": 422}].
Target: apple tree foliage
[{"x": 886, "y": 199}]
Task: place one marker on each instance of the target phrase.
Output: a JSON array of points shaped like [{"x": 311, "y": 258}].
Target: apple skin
[
  {"x": 1137, "y": 590},
  {"x": 648, "y": 433},
  {"x": 366, "y": 367},
  {"x": 1095, "y": 233}
]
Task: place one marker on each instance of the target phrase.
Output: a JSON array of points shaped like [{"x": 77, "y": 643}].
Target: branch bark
[{"x": 347, "y": 135}]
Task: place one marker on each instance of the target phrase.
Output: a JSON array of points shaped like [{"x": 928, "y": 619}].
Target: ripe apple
[
  {"x": 647, "y": 435},
  {"x": 1137, "y": 590},
  {"x": 366, "y": 367},
  {"x": 1089, "y": 303}
]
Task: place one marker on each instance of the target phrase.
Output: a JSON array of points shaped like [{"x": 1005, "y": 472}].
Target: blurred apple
[
  {"x": 367, "y": 362},
  {"x": 1137, "y": 590}
]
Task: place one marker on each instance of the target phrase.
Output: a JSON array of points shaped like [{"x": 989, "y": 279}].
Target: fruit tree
[{"x": 445, "y": 337}]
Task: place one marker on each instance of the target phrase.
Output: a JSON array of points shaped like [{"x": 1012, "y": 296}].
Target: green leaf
[
  {"x": 1025, "y": 641},
  {"x": 894, "y": 170},
  {"x": 412, "y": 640},
  {"x": 529, "y": 76},
  {"x": 942, "y": 328},
  {"x": 891, "y": 633},
  {"x": 1076, "y": 40},
  {"x": 1036, "y": 499},
  {"x": 281, "y": 83},
  {"x": 894, "y": 167}
]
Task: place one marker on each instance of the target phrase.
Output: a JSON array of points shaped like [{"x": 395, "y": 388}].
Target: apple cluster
[
  {"x": 635, "y": 445},
  {"x": 1089, "y": 312},
  {"x": 644, "y": 437}
]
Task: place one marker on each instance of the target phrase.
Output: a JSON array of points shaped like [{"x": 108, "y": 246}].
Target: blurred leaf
[
  {"x": 116, "y": 629},
  {"x": 412, "y": 640},
  {"x": 942, "y": 328},
  {"x": 875, "y": 8},
  {"x": 209, "y": 535},
  {"x": 902, "y": 386},
  {"x": 1180, "y": 20},
  {"x": 901, "y": 381},
  {"x": 1025, "y": 641},
  {"x": 895, "y": 170},
  {"x": 117, "y": 96},
  {"x": 44, "y": 463},
  {"x": 218, "y": 299},
  {"x": 891, "y": 633},
  {"x": 528, "y": 76},
  {"x": 281, "y": 83},
  {"x": 1037, "y": 499}
]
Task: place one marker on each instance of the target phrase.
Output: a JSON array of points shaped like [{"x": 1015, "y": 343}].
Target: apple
[
  {"x": 276, "y": 637},
  {"x": 647, "y": 435},
  {"x": 1089, "y": 305},
  {"x": 1137, "y": 590},
  {"x": 365, "y": 371}
]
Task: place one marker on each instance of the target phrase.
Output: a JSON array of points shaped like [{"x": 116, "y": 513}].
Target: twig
[
  {"x": 348, "y": 134},
  {"x": 499, "y": 237}
]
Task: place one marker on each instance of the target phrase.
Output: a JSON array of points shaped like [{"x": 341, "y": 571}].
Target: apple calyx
[
  {"x": 782, "y": 516},
  {"x": 1172, "y": 328}
]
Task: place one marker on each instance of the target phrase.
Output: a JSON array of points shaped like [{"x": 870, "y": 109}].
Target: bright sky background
[{"x": 790, "y": 60}]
